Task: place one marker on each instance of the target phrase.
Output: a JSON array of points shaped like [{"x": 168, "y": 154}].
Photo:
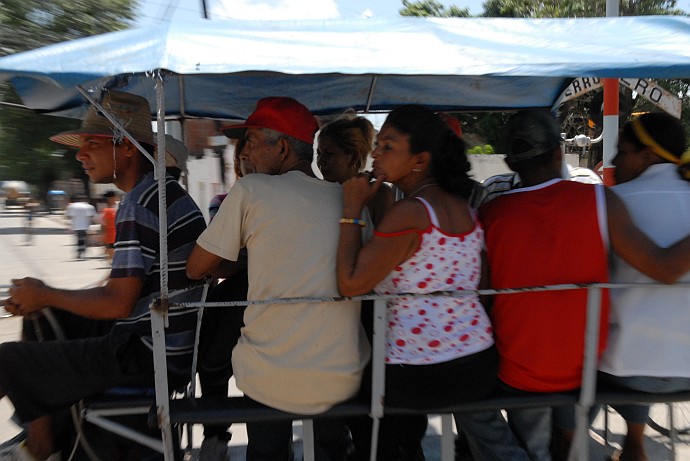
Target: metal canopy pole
[
  {"x": 159, "y": 309},
  {"x": 580, "y": 448},
  {"x": 370, "y": 95},
  {"x": 378, "y": 378},
  {"x": 611, "y": 104}
]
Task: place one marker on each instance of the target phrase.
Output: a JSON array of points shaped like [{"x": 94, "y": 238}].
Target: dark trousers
[
  {"x": 72, "y": 326},
  {"x": 81, "y": 242},
  {"x": 45, "y": 376},
  {"x": 272, "y": 441},
  {"x": 220, "y": 330},
  {"x": 423, "y": 387}
]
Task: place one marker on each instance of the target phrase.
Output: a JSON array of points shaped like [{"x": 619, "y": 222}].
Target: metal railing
[{"x": 587, "y": 394}]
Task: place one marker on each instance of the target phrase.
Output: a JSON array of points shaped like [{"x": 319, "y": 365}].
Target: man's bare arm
[
  {"x": 666, "y": 265},
  {"x": 114, "y": 300}
]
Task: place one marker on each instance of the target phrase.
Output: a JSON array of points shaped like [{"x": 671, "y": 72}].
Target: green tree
[
  {"x": 431, "y": 8},
  {"x": 574, "y": 8},
  {"x": 574, "y": 113},
  {"x": 26, "y": 153},
  {"x": 479, "y": 128},
  {"x": 485, "y": 128},
  {"x": 28, "y": 24}
]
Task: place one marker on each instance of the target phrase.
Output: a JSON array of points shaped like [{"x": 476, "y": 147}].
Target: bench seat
[{"x": 218, "y": 410}]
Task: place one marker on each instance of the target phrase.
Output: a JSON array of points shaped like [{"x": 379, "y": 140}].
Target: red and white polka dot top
[{"x": 440, "y": 328}]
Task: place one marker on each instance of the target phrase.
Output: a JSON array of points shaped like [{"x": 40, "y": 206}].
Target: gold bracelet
[{"x": 359, "y": 222}]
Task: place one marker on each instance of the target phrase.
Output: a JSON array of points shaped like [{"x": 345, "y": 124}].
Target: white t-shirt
[
  {"x": 80, "y": 214},
  {"x": 649, "y": 331},
  {"x": 303, "y": 357}
]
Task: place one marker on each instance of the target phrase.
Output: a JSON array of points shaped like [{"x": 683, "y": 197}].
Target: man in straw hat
[
  {"x": 306, "y": 357},
  {"x": 63, "y": 372}
]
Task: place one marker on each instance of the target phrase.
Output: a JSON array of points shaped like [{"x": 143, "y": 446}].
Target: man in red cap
[{"x": 306, "y": 357}]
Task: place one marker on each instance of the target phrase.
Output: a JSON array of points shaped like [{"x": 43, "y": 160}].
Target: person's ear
[
  {"x": 356, "y": 162},
  {"x": 128, "y": 148},
  {"x": 422, "y": 161},
  {"x": 284, "y": 148}
]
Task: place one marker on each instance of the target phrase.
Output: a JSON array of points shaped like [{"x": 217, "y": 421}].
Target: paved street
[{"x": 50, "y": 256}]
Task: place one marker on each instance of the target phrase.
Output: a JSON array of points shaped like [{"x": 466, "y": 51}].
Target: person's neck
[
  {"x": 418, "y": 185},
  {"x": 299, "y": 165},
  {"x": 538, "y": 177},
  {"x": 127, "y": 181}
]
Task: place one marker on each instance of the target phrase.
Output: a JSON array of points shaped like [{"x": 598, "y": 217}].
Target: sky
[{"x": 152, "y": 11}]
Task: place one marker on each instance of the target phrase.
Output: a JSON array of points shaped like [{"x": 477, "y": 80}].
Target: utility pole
[{"x": 610, "y": 131}]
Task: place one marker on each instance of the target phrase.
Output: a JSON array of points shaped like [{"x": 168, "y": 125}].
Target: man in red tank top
[
  {"x": 550, "y": 231},
  {"x": 547, "y": 232}
]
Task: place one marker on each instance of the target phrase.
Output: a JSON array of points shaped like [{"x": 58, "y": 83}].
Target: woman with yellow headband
[
  {"x": 649, "y": 328},
  {"x": 650, "y": 139}
]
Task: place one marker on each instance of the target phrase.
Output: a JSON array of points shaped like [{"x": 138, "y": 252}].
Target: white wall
[
  {"x": 204, "y": 180},
  {"x": 484, "y": 166},
  {"x": 204, "y": 175}
]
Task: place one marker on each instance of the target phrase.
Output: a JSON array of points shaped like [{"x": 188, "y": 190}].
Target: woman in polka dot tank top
[{"x": 440, "y": 350}]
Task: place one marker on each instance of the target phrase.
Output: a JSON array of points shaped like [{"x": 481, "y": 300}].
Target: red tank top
[{"x": 548, "y": 234}]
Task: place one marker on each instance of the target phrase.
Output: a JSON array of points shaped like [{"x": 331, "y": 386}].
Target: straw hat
[
  {"x": 132, "y": 111},
  {"x": 176, "y": 152}
]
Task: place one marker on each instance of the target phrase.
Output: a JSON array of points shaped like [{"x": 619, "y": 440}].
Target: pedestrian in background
[
  {"x": 108, "y": 223},
  {"x": 81, "y": 214},
  {"x": 31, "y": 206}
]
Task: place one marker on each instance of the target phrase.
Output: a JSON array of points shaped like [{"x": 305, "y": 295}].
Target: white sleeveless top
[{"x": 436, "y": 329}]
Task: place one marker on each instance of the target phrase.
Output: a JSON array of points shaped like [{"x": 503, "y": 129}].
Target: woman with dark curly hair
[{"x": 440, "y": 350}]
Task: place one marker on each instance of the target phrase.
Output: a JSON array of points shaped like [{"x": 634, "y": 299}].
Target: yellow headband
[
  {"x": 648, "y": 141},
  {"x": 684, "y": 168},
  {"x": 685, "y": 158}
]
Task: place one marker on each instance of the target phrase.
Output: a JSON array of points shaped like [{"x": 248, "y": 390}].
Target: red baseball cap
[{"x": 281, "y": 114}]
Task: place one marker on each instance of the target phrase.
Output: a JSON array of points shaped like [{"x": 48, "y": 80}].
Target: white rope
[{"x": 484, "y": 292}]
